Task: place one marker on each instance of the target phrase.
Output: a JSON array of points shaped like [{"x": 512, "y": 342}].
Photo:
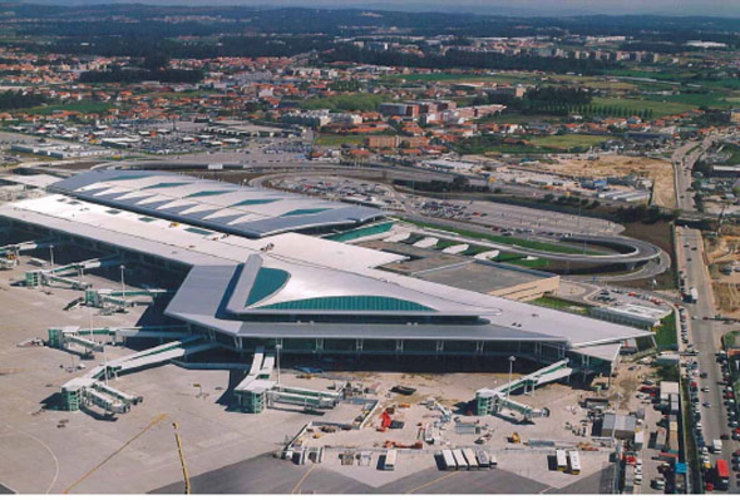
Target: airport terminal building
[{"x": 260, "y": 272}]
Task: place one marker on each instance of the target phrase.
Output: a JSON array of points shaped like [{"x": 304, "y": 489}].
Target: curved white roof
[{"x": 230, "y": 208}]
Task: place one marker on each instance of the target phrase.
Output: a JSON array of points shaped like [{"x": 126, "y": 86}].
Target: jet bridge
[
  {"x": 256, "y": 392},
  {"x": 494, "y": 401},
  {"x": 130, "y": 298},
  {"x": 47, "y": 277},
  {"x": 90, "y": 389},
  {"x": 9, "y": 254}
]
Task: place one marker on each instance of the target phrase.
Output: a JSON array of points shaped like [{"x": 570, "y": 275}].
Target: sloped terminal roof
[
  {"x": 237, "y": 288},
  {"x": 246, "y": 211}
]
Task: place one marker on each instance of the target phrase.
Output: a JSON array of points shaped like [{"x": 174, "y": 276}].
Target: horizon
[{"x": 523, "y": 8}]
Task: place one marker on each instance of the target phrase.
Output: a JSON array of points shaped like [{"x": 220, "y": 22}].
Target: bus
[
  {"x": 460, "y": 459},
  {"x": 390, "y": 460},
  {"x": 561, "y": 460},
  {"x": 722, "y": 473},
  {"x": 574, "y": 462},
  {"x": 448, "y": 460},
  {"x": 470, "y": 459}
]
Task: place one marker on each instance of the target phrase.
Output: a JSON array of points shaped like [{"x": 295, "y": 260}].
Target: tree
[{"x": 156, "y": 61}]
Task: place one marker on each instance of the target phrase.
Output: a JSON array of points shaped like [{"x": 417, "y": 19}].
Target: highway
[
  {"x": 706, "y": 337},
  {"x": 683, "y": 160}
]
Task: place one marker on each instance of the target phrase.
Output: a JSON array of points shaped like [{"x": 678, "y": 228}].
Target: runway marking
[
  {"x": 300, "y": 481},
  {"x": 53, "y": 456},
  {"x": 433, "y": 481}
]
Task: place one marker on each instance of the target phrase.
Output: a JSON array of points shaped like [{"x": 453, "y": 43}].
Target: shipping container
[
  {"x": 561, "y": 460},
  {"x": 470, "y": 459},
  {"x": 574, "y": 462},
  {"x": 390, "y": 460},
  {"x": 448, "y": 460},
  {"x": 484, "y": 461},
  {"x": 460, "y": 459}
]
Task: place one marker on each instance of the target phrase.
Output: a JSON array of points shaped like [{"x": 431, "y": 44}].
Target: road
[
  {"x": 683, "y": 160},
  {"x": 706, "y": 336}
]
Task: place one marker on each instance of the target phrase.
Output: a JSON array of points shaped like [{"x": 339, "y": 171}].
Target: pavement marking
[
  {"x": 151, "y": 424},
  {"x": 53, "y": 456},
  {"x": 433, "y": 481},
  {"x": 300, "y": 481}
]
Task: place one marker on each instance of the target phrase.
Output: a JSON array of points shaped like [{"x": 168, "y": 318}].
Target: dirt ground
[
  {"x": 660, "y": 171},
  {"x": 722, "y": 251}
]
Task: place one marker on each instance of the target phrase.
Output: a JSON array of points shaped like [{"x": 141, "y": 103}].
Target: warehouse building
[{"x": 631, "y": 314}]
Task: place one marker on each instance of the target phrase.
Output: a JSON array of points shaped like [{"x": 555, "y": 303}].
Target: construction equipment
[
  {"x": 515, "y": 438},
  {"x": 395, "y": 444},
  {"x": 185, "y": 474}
]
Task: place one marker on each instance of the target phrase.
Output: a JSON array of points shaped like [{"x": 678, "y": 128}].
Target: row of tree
[
  {"x": 465, "y": 59},
  {"x": 11, "y": 99}
]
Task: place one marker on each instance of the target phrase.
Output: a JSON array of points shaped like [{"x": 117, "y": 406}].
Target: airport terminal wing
[
  {"x": 267, "y": 297},
  {"x": 296, "y": 285},
  {"x": 246, "y": 211}
]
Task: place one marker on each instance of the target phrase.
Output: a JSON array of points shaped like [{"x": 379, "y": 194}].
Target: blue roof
[{"x": 247, "y": 211}]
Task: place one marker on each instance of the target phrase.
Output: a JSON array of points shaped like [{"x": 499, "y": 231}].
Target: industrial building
[
  {"x": 619, "y": 426},
  {"x": 635, "y": 315},
  {"x": 261, "y": 275}
]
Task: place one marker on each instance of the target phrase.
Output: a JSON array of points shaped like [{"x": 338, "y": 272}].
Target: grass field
[
  {"x": 465, "y": 77},
  {"x": 710, "y": 99},
  {"x": 346, "y": 102},
  {"x": 734, "y": 154},
  {"x": 561, "y": 305},
  {"x": 665, "y": 336},
  {"x": 506, "y": 240},
  {"x": 569, "y": 141},
  {"x": 338, "y": 140},
  {"x": 80, "y": 107},
  {"x": 659, "y": 108}
]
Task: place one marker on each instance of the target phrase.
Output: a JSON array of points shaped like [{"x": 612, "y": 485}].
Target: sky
[{"x": 510, "y": 7}]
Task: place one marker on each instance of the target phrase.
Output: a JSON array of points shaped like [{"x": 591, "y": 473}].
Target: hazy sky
[{"x": 515, "y": 7}]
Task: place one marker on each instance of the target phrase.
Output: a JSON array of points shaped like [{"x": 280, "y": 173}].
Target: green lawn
[
  {"x": 709, "y": 99},
  {"x": 537, "y": 146},
  {"x": 569, "y": 141},
  {"x": 464, "y": 77},
  {"x": 734, "y": 151},
  {"x": 338, "y": 140},
  {"x": 665, "y": 336},
  {"x": 347, "y": 102},
  {"x": 561, "y": 304},
  {"x": 507, "y": 240},
  {"x": 635, "y": 106},
  {"x": 81, "y": 107}
]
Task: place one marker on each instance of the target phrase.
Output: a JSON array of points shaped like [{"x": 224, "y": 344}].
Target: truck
[
  {"x": 722, "y": 474},
  {"x": 717, "y": 446},
  {"x": 692, "y": 296},
  {"x": 629, "y": 481}
]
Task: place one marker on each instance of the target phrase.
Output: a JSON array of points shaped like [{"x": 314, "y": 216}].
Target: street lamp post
[
  {"x": 278, "y": 346},
  {"x": 123, "y": 283},
  {"x": 511, "y": 370},
  {"x": 51, "y": 255}
]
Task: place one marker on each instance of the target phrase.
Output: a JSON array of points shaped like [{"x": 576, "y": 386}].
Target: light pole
[
  {"x": 51, "y": 255},
  {"x": 123, "y": 283},
  {"x": 511, "y": 370},
  {"x": 278, "y": 346}
]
